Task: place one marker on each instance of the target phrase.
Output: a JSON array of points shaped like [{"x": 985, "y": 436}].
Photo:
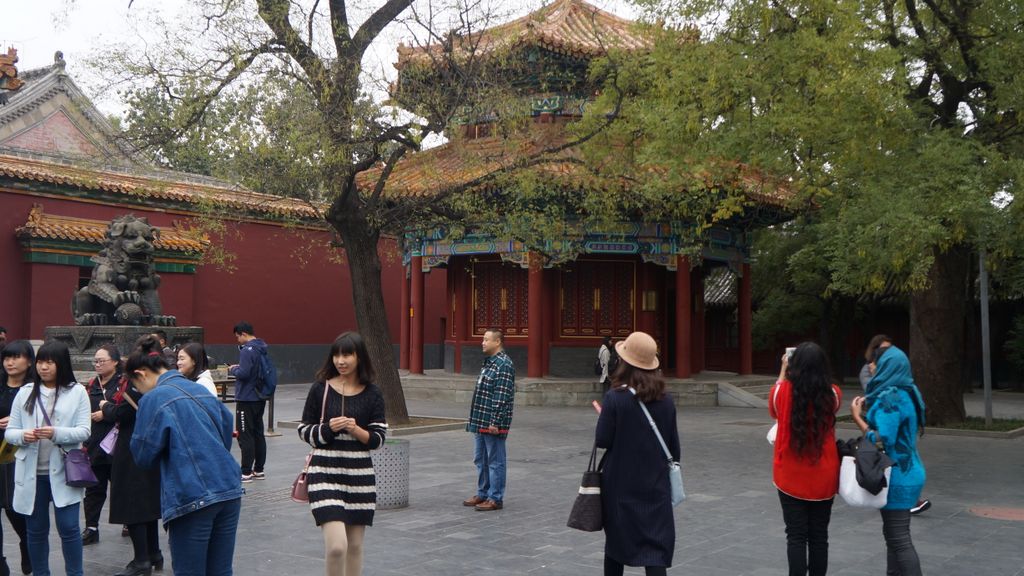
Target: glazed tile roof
[
  {"x": 461, "y": 161},
  {"x": 51, "y": 227},
  {"x": 153, "y": 185},
  {"x": 570, "y": 27}
]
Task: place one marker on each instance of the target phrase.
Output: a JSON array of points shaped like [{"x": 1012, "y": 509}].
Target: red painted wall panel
[
  {"x": 52, "y": 286},
  {"x": 284, "y": 281}
]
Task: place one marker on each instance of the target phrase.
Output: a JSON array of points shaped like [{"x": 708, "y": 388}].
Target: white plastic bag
[{"x": 852, "y": 492}]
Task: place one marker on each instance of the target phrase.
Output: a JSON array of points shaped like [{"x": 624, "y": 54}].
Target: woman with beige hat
[{"x": 639, "y": 525}]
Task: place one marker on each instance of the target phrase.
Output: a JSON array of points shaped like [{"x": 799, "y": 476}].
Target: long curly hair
[{"x": 813, "y": 411}]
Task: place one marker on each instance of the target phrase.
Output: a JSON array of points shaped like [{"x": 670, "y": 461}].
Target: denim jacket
[
  {"x": 71, "y": 426},
  {"x": 188, "y": 431}
]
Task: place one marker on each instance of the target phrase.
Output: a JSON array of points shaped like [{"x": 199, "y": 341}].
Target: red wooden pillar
[
  {"x": 684, "y": 319},
  {"x": 535, "y": 318},
  {"x": 699, "y": 324},
  {"x": 745, "y": 317},
  {"x": 416, "y": 317},
  {"x": 403, "y": 330}
]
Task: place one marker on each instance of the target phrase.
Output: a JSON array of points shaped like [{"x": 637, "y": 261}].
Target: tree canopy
[{"x": 893, "y": 121}]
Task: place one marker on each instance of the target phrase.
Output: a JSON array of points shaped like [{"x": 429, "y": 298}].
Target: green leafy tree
[
  {"x": 895, "y": 121},
  {"x": 274, "y": 93}
]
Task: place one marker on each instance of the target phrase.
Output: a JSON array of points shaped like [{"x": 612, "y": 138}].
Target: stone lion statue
[{"x": 123, "y": 286}]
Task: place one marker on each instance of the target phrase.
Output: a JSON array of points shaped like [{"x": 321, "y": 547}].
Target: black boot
[
  {"x": 136, "y": 569},
  {"x": 157, "y": 560}
]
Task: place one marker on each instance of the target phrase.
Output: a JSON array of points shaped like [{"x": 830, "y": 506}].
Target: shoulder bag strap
[
  {"x": 39, "y": 400},
  {"x": 323, "y": 403},
  {"x": 194, "y": 399},
  {"x": 653, "y": 426}
]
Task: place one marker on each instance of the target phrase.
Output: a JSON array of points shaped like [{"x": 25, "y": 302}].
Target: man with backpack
[{"x": 255, "y": 379}]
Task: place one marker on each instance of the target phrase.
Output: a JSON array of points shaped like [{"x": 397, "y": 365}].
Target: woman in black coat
[
  {"x": 636, "y": 497},
  {"x": 103, "y": 386},
  {"x": 19, "y": 360},
  {"x": 134, "y": 491}
]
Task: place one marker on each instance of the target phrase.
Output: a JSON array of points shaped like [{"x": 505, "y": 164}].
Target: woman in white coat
[{"x": 39, "y": 464}]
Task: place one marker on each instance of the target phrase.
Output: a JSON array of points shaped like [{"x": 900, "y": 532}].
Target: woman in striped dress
[{"x": 343, "y": 420}]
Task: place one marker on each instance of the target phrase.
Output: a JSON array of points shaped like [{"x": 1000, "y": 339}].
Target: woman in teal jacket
[{"x": 895, "y": 417}]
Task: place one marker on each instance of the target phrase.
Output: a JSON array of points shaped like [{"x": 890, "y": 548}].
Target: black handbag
[
  {"x": 586, "y": 510},
  {"x": 871, "y": 461}
]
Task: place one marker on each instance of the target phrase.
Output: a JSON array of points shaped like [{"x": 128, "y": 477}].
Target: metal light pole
[{"x": 986, "y": 360}]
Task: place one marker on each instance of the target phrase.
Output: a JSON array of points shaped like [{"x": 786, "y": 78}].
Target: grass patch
[{"x": 972, "y": 423}]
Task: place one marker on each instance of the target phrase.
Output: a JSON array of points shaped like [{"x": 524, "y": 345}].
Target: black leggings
[
  {"x": 145, "y": 540},
  {"x": 901, "y": 556},
  {"x": 615, "y": 568},
  {"x": 18, "y": 523}
]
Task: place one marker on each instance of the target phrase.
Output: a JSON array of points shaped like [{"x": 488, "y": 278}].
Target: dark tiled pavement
[{"x": 730, "y": 526}]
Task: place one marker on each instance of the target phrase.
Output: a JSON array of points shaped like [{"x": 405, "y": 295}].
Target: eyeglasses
[{"x": 99, "y": 361}]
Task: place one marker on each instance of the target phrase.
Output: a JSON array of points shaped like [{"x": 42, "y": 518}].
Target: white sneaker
[
  {"x": 259, "y": 475},
  {"x": 246, "y": 478}
]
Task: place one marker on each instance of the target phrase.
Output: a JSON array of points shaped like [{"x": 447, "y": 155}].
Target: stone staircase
[{"x": 706, "y": 389}]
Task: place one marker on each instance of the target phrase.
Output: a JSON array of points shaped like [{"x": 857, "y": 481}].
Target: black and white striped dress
[{"x": 342, "y": 486}]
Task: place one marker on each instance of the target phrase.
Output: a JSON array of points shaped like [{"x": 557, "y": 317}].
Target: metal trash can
[{"x": 391, "y": 467}]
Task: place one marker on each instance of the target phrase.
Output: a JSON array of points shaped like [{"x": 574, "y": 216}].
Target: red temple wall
[{"x": 284, "y": 281}]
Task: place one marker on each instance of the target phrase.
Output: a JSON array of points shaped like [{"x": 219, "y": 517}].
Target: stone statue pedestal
[{"x": 83, "y": 341}]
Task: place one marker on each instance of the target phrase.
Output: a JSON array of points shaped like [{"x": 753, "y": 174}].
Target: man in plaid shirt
[{"x": 489, "y": 420}]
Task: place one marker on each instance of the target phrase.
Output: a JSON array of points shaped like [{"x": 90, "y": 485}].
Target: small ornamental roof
[
  {"x": 51, "y": 227},
  {"x": 173, "y": 187},
  {"x": 570, "y": 27}
]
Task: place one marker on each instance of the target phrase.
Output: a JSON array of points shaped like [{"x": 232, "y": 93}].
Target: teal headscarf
[{"x": 892, "y": 371}]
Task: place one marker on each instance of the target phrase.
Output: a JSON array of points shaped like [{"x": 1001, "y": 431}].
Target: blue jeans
[
  {"x": 38, "y": 527},
  {"x": 489, "y": 458},
  {"x": 203, "y": 542}
]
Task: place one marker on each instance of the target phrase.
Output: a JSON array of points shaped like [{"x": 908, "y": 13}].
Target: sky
[{"x": 81, "y": 28}]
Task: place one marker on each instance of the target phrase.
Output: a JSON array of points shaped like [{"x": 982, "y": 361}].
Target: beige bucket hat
[{"x": 639, "y": 350}]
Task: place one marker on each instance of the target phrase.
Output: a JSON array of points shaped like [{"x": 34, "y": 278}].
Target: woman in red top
[{"x": 806, "y": 463}]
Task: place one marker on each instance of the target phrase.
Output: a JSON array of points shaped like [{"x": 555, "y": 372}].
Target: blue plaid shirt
[{"x": 494, "y": 395}]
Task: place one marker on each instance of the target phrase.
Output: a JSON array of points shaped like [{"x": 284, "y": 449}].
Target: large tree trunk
[
  {"x": 937, "y": 335},
  {"x": 361, "y": 244}
]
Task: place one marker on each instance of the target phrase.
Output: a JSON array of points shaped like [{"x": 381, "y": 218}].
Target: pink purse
[{"x": 300, "y": 487}]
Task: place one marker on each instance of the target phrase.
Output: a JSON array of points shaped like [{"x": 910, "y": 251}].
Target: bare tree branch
[
  {"x": 373, "y": 26},
  {"x": 339, "y": 26},
  {"x": 275, "y": 14}
]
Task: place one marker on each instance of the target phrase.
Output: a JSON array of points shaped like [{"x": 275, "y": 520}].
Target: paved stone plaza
[{"x": 731, "y": 525}]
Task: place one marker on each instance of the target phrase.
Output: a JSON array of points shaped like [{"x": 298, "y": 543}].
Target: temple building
[{"x": 555, "y": 308}]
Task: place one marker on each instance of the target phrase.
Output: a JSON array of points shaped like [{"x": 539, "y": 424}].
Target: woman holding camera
[{"x": 805, "y": 467}]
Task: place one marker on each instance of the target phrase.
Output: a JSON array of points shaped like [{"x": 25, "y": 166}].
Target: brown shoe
[
  {"x": 488, "y": 505},
  {"x": 473, "y": 501}
]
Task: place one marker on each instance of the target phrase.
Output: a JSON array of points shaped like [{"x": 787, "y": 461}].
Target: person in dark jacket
[
  {"x": 249, "y": 406},
  {"x": 19, "y": 361},
  {"x": 187, "y": 432},
  {"x": 636, "y": 496},
  {"x": 134, "y": 491},
  {"x": 103, "y": 386}
]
